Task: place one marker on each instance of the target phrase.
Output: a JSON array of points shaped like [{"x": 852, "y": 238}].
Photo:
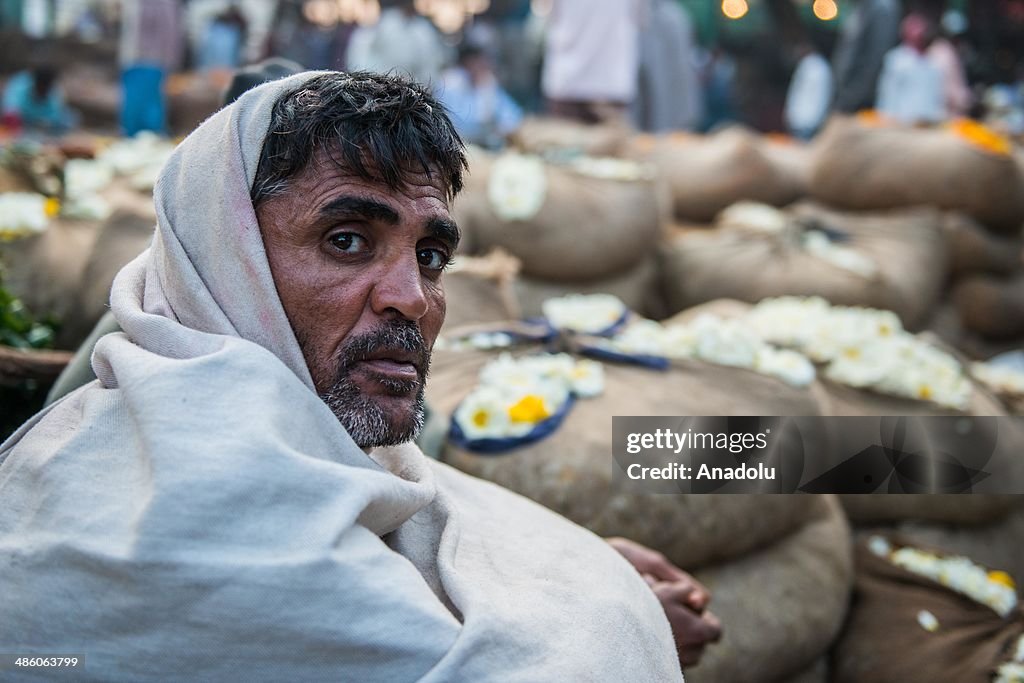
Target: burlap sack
[
  {"x": 994, "y": 544},
  {"x": 946, "y": 324},
  {"x": 706, "y": 174},
  {"x": 570, "y": 471},
  {"x": 907, "y": 248},
  {"x": 871, "y": 167},
  {"x": 540, "y": 135},
  {"x": 586, "y": 229},
  {"x": 781, "y": 607},
  {"x": 973, "y": 249},
  {"x": 950, "y": 509},
  {"x": 815, "y": 673},
  {"x": 480, "y": 290},
  {"x": 883, "y": 642},
  {"x": 638, "y": 287},
  {"x": 792, "y": 160},
  {"x": 991, "y": 306}
]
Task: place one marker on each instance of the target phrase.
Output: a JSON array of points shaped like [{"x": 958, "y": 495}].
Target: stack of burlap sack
[
  {"x": 779, "y": 566},
  {"x": 583, "y": 225},
  {"x": 863, "y": 164},
  {"x": 105, "y": 219}
]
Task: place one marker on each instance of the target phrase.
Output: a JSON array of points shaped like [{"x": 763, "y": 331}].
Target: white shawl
[{"x": 199, "y": 514}]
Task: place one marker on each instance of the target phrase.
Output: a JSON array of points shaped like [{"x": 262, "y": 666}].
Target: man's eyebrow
[
  {"x": 360, "y": 207},
  {"x": 445, "y": 230}
]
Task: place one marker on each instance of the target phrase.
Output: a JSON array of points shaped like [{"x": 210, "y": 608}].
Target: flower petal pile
[
  {"x": 516, "y": 394},
  {"x": 586, "y": 313},
  {"x": 517, "y": 186},
  {"x": 23, "y": 213},
  {"x": 864, "y": 348},
  {"x": 955, "y": 572}
]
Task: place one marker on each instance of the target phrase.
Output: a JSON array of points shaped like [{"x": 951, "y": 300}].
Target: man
[
  {"x": 592, "y": 58},
  {"x": 403, "y": 41},
  {"x": 870, "y": 31},
  {"x": 150, "y": 47},
  {"x": 236, "y": 497},
  {"x": 910, "y": 87},
  {"x": 483, "y": 113}
]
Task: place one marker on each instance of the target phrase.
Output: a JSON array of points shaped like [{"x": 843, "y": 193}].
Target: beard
[{"x": 368, "y": 422}]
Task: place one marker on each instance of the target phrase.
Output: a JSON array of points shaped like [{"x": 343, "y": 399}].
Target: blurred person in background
[
  {"x": 871, "y": 30},
  {"x": 592, "y": 58},
  {"x": 403, "y": 42},
  {"x": 224, "y": 40},
  {"x": 34, "y": 99},
  {"x": 669, "y": 90},
  {"x": 483, "y": 113},
  {"x": 152, "y": 38},
  {"x": 910, "y": 89},
  {"x": 810, "y": 92},
  {"x": 942, "y": 52},
  {"x": 718, "y": 70}
]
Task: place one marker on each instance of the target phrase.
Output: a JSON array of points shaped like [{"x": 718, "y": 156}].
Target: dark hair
[{"x": 379, "y": 127}]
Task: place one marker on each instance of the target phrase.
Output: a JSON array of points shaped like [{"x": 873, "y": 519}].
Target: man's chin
[{"x": 378, "y": 419}]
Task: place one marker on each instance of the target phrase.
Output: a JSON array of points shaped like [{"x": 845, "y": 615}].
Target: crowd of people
[{"x": 636, "y": 61}]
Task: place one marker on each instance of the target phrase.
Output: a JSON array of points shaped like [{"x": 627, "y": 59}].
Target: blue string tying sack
[{"x": 495, "y": 445}]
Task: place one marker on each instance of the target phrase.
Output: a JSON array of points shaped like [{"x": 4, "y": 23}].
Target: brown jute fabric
[{"x": 882, "y": 641}]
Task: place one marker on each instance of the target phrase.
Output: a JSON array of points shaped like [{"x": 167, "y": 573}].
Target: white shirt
[
  {"x": 910, "y": 88},
  {"x": 809, "y": 94},
  {"x": 592, "y": 50}
]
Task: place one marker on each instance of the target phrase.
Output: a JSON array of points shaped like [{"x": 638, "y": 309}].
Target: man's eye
[
  {"x": 348, "y": 242},
  {"x": 434, "y": 259}
]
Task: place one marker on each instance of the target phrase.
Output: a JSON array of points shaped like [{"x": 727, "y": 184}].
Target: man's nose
[{"x": 400, "y": 290}]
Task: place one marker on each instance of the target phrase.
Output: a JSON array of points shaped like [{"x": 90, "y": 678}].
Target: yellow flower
[
  {"x": 529, "y": 408},
  {"x": 982, "y": 137},
  {"x": 924, "y": 392},
  {"x": 51, "y": 206},
  {"x": 1002, "y": 578},
  {"x": 481, "y": 418}
]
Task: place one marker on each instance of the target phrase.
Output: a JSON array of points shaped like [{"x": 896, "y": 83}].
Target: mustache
[{"x": 397, "y": 335}]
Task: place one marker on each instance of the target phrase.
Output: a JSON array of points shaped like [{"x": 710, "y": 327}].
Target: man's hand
[{"x": 682, "y": 597}]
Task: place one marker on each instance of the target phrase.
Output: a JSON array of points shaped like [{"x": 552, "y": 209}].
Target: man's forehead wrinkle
[{"x": 367, "y": 207}]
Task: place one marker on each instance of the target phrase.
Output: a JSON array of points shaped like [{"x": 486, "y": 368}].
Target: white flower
[
  {"x": 928, "y": 621},
  {"x": 999, "y": 378},
  {"x": 879, "y": 546},
  {"x": 789, "y": 366},
  {"x": 961, "y": 575},
  {"x": 517, "y": 186},
  {"x": 83, "y": 178},
  {"x": 587, "y": 379},
  {"x": 484, "y": 414},
  {"x": 609, "y": 168},
  {"x": 587, "y": 313},
  {"x": 755, "y": 217},
  {"x": 90, "y": 208},
  {"x": 818, "y": 243},
  {"x": 23, "y": 213},
  {"x": 145, "y": 150},
  {"x": 1010, "y": 673},
  {"x": 725, "y": 342}
]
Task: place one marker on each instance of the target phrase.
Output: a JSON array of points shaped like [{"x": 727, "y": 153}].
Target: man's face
[{"x": 357, "y": 266}]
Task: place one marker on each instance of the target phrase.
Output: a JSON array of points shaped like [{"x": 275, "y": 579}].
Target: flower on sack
[
  {"x": 530, "y": 408},
  {"x": 91, "y": 207},
  {"x": 818, "y": 244},
  {"x": 755, "y": 217},
  {"x": 609, "y": 168},
  {"x": 1001, "y": 379},
  {"x": 791, "y": 367},
  {"x": 483, "y": 414},
  {"x": 1009, "y": 673},
  {"x": 1001, "y": 577},
  {"x": 85, "y": 177},
  {"x": 980, "y": 136},
  {"x": 24, "y": 213},
  {"x": 517, "y": 186},
  {"x": 725, "y": 342},
  {"x": 928, "y": 621},
  {"x": 586, "y": 313},
  {"x": 129, "y": 155},
  {"x": 587, "y": 379},
  {"x": 958, "y": 574}
]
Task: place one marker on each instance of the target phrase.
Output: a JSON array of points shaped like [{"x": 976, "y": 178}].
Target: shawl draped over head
[{"x": 198, "y": 513}]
